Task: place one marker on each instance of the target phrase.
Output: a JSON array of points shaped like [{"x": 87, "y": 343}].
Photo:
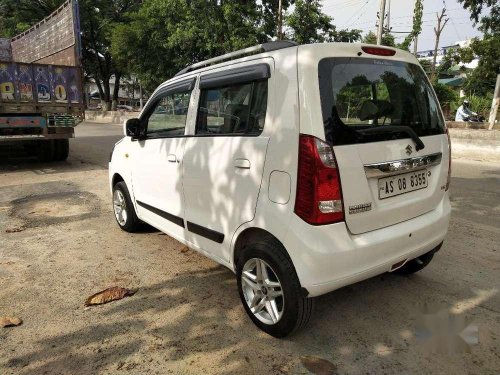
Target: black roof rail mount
[{"x": 260, "y": 48}]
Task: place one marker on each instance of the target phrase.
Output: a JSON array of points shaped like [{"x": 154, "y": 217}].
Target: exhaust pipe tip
[{"x": 397, "y": 265}]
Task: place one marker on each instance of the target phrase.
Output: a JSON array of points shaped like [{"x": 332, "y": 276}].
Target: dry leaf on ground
[
  {"x": 14, "y": 229},
  {"x": 111, "y": 294},
  {"x": 8, "y": 321},
  {"x": 318, "y": 366}
]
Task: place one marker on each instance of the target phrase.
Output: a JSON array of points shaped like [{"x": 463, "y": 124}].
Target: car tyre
[
  {"x": 272, "y": 296},
  {"x": 124, "y": 209}
]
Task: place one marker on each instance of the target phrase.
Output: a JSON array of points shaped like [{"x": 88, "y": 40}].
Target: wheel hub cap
[
  {"x": 262, "y": 291},
  {"x": 120, "y": 207}
]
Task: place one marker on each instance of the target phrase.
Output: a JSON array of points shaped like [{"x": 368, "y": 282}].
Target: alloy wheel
[
  {"x": 120, "y": 207},
  {"x": 262, "y": 291}
]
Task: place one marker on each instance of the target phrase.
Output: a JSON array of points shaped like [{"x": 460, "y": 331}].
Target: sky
[{"x": 362, "y": 14}]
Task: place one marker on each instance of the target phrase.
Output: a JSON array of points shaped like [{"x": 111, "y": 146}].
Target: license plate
[{"x": 402, "y": 183}]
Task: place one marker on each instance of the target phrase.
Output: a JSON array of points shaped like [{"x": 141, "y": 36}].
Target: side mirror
[{"x": 132, "y": 127}]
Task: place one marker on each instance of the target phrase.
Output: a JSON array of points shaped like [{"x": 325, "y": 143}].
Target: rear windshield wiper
[{"x": 395, "y": 129}]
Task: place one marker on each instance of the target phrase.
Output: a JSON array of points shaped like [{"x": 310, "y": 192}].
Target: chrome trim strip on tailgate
[{"x": 390, "y": 168}]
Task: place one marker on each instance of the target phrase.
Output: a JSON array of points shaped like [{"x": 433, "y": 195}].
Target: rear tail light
[
  {"x": 378, "y": 51},
  {"x": 319, "y": 194},
  {"x": 448, "y": 180}
]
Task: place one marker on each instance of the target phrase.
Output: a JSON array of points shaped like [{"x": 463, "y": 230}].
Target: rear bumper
[{"x": 329, "y": 257}]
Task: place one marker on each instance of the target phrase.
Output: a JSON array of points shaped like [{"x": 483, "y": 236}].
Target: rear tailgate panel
[{"x": 361, "y": 190}]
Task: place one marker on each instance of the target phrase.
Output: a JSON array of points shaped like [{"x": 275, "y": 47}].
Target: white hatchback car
[{"x": 301, "y": 168}]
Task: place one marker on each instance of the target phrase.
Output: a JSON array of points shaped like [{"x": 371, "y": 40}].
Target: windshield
[{"x": 359, "y": 95}]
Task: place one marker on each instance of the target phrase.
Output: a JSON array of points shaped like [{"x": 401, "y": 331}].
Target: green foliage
[
  {"x": 426, "y": 66},
  {"x": 448, "y": 98},
  {"x": 269, "y": 16},
  {"x": 387, "y": 39},
  {"x": 481, "y": 80},
  {"x": 347, "y": 36},
  {"x": 445, "y": 94},
  {"x": 309, "y": 24},
  {"x": 17, "y": 16},
  {"x": 417, "y": 25},
  {"x": 164, "y": 36},
  {"x": 485, "y": 12}
]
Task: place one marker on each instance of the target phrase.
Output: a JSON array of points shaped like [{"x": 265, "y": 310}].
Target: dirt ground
[{"x": 59, "y": 244}]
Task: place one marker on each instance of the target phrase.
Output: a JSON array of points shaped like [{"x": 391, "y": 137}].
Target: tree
[
  {"x": 98, "y": 19},
  {"x": 417, "y": 25},
  {"x": 308, "y": 24},
  {"x": 271, "y": 14},
  {"x": 387, "y": 39},
  {"x": 17, "y": 16},
  {"x": 437, "y": 31},
  {"x": 485, "y": 12},
  {"x": 164, "y": 36}
]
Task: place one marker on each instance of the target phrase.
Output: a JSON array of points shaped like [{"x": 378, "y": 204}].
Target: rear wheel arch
[
  {"x": 116, "y": 179},
  {"x": 251, "y": 235}
]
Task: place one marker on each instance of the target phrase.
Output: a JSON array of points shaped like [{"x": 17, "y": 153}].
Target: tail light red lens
[
  {"x": 448, "y": 180},
  {"x": 319, "y": 194}
]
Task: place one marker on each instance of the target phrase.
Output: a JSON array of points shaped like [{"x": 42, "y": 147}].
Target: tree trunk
[
  {"x": 116, "y": 91},
  {"x": 437, "y": 31},
  {"x": 494, "y": 104}
]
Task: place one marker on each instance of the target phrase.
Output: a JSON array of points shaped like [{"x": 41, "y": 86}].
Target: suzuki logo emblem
[{"x": 409, "y": 149}]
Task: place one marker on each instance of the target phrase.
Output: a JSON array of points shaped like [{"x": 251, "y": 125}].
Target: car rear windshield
[{"x": 359, "y": 96}]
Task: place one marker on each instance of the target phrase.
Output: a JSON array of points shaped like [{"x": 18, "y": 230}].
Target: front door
[
  {"x": 224, "y": 161},
  {"x": 156, "y": 160}
]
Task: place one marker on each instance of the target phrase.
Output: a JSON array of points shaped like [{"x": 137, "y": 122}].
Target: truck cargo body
[{"x": 41, "y": 95}]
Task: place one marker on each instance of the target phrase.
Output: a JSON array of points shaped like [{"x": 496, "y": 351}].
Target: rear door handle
[
  {"x": 242, "y": 163},
  {"x": 172, "y": 158}
]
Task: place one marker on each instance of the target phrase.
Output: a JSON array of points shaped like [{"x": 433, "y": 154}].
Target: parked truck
[{"x": 41, "y": 96}]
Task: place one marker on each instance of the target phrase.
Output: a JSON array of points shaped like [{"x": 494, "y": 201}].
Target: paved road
[
  {"x": 59, "y": 244},
  {"x": 93, "y": 142}
]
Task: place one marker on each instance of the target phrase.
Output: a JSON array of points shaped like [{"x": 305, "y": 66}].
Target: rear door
[
  {"x": 224, "y": 161},
  {"x": 376, "y": 112}
]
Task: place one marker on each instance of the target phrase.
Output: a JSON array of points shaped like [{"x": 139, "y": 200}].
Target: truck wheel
[
  {"x": 270, "y": 290},
  {"x": 46, "y": 151},
  {"x": 124, "y": 209},
  {"x": 61, "y": 149}
]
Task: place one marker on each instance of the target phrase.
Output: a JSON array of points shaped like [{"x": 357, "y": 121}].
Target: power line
[{"x": 360, "y": 14}]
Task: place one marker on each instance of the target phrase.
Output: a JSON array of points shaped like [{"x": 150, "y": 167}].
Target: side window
[
  {"x": 169, "y": 115},
  {"x": 235, "y": 109}
]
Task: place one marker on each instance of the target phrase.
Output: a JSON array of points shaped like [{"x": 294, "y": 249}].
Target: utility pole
[
  {"x": 388, "y": 27},
  {"x": 437, "y": 30},
  {"x": 381, "y": 14},
  {"x": 415, "y": 45},
  {"x": 280, "y": 20},
  {"x": 495, "y": 103}
]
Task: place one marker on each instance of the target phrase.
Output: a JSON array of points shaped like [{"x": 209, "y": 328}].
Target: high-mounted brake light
[
  {"x": 378, "y": 51},
  {"x": 319, "y": 194}
]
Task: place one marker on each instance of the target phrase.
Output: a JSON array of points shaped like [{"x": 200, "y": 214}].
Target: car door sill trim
[
  {"x": 174, "y": 219},
  {"x": 205, "y": 232}
]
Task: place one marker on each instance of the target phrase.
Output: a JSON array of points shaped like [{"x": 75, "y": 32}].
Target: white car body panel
[{"x": 214, "y": 194}]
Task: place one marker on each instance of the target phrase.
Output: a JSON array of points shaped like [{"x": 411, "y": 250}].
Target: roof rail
[{"x": 264, "y": 47}]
